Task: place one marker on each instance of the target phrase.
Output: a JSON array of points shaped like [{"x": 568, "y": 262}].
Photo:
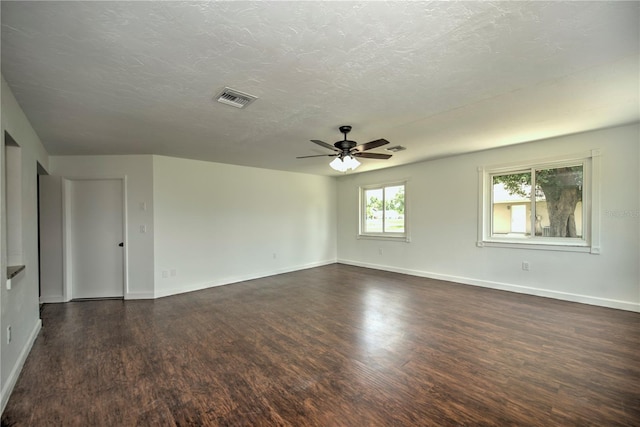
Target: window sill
[
  {"x": 384, "y": 237},
  {"x": 540, "y": 245}
]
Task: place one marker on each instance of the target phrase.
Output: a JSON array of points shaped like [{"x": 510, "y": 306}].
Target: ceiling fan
[{"x": 346, "y": 151}]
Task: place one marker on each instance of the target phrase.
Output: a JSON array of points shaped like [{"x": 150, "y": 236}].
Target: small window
[
  {"x": 383, "y": 212},
  {"x": 549, "y": 203}
]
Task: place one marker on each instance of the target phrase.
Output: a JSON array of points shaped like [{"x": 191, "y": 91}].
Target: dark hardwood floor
[{"x": 332, "y": 346}]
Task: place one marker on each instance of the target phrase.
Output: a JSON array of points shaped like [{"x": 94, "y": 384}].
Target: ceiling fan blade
[
  {"x": 317, "y": 155},
  {"x": 373, "y": 144},
  {"x": 372, "y": 155},
  {"x": 324, "y": 144}
]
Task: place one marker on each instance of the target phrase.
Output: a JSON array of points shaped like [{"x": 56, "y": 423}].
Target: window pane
[
  {"x": 373, "y": 210},
  {"x": 559, "y": 202},
  {"x": 394, "y": 209},
  {"x": 511, "y": 205}
]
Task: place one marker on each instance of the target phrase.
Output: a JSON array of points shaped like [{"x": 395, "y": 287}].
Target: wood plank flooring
[{"x": 332, "y": 346}]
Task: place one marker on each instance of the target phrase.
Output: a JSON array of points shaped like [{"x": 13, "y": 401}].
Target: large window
[
  {"x": 546, "y": 203},
  {"x": 383, "y": 211}
]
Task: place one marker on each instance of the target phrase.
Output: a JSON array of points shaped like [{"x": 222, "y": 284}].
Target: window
[
  {"x": 383, "y": 212},
  {"x": 549, "y": 203}
]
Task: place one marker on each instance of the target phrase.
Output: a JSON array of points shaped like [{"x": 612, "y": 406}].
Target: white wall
[
  {"x": 217, "y": 224},
  {"x": 442, "y": 203},
  {"x": 138, "y": 172},
  {"x": 19, "y": 306}
]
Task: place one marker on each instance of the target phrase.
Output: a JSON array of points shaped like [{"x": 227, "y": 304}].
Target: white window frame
[
  {"x": 363, "y": 212},
  {"x": 590, "y": 240}
]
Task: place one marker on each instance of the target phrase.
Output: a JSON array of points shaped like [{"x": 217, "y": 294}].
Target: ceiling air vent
[
  {"x": 235, "y": 98},
  {"x": 396, "y": 148}
]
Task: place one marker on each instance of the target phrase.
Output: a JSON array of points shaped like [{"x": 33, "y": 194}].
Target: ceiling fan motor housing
[{"x": 345, "y": 145}]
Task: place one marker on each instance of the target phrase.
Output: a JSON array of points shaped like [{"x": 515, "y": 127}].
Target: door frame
[{"x": 67, "y": 246}]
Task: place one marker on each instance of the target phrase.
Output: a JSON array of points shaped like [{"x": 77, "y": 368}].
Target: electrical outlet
[
  {"x": 380, "y": 251},
  {"x": 525, "y": 265},
  {"x": 173, "y": 273},
  {"x": 8, "y": 334},
  {"x": 165, "y": 274},
  {"x": 143, "y": 228}
]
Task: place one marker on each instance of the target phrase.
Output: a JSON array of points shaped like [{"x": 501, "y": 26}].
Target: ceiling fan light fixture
[
  {"x": 351, "y": 162},
  {"x": 338, "y": 165},
  {"x": 343, "y": 164}
]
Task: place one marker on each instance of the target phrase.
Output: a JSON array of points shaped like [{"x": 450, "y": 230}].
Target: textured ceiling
[{"x": 440, "y": 78}]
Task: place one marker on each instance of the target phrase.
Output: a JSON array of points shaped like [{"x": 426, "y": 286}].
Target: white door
[{"x": 95, "y": 235}]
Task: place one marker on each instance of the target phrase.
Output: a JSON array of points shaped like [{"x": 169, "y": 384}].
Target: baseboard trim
[
  {"x": 565, "y": 296},
  {"x": 138, "y": 295},
  {"x": 51, "y": 299},
  {"x": 7, "y": 388},
  {"x": 241, "y": 278},
  {"x": 130, "y": 295}
]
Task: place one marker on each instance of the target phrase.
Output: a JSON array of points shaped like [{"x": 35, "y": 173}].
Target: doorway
[
  {"x": 40, "y": 171},
  {"x": 94, "y": 238}
]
